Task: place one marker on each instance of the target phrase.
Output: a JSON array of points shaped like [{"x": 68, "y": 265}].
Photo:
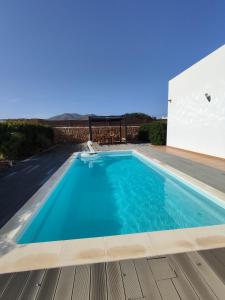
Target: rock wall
[{"x": 100, "y": 134}]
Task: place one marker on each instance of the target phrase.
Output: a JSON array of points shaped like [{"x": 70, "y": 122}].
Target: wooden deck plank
[
  {"x": 65, "y": 284},
  {"x": 4, "y": 281},
  {"x": 181, "y": 283},
  {"x": 81, "y": 287},
  {"x": 98, "y": 286},
  {"x": 15, "y": 286},
  {"x": 147, "y": 282},
  {"x": 161, "y": 268},
  {"x": 198, "y": 283},
  {"x": 167, "y": 290},
  {"x": 114, "y": 281},
  {"x": 219, "y": 254},
  {"x": 214, "y": 263},
  {"x": 208, "y": 274},
  {"x": 48, "y": 286},
  {"x": 130, "y": 280},
  {"x": 33, "y": 285}
]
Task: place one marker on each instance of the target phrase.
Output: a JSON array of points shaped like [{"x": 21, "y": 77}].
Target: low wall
[{"x": 99, "y": 134}]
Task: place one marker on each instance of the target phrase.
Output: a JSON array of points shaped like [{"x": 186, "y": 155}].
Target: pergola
[{"x": 108, "y": 121}]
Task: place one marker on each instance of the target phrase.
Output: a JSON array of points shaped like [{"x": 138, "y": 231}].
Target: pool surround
[{"x": 21, "y": 257}]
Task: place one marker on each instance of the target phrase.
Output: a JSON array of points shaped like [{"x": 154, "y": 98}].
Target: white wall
[{"x": 194, "y": 123}]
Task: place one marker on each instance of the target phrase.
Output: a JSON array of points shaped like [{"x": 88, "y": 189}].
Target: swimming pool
[{"x": 114, "y": 193}]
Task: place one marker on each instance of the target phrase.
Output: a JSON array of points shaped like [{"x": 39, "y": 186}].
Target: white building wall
[{"x": 194, "y": 123}]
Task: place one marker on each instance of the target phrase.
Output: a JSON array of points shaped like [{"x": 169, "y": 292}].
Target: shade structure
[{"x": 108, "y": 121}]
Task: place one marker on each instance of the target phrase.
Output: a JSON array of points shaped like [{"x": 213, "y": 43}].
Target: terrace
[{"x": 192, "y": 275}]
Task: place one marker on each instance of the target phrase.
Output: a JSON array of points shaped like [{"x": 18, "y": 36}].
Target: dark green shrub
[
  {"x": 42, "y": 141},
  {"x": 157, "y": 133},
  {"x": 12, "y": 148},
  {"x": 143, "y": 134},
  {"x": 20, "y": 139},
  {"x": 138, "y": 118}
]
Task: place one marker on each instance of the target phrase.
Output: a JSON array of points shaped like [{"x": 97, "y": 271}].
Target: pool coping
[{"x": 23, "y": 257}]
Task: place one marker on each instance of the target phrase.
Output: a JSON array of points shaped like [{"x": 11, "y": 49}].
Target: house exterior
[{"x": 196, "y": 107}]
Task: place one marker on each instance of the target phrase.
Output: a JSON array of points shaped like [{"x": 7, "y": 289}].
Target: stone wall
[
  {"x": 100, "y": 134},
  {"x": 71, "y": 134}
]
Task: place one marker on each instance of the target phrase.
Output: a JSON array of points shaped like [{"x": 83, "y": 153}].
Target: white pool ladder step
[{"x": 91, "y": 149}]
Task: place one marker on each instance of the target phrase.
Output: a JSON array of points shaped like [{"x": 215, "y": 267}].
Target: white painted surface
[{"x": 194, "y": 123}]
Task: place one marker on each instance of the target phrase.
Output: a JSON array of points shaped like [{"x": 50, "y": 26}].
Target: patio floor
[
  {"x": 193, "y": 275},
  {"x": 209, "y": 161},
  {"x": 182, "y": 276}
]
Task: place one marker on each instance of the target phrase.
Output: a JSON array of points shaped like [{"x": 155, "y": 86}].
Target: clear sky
[{"x": 100, "y": 56}]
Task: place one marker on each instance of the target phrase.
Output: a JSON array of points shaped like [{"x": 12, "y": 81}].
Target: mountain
[
  {"x": 131, "y": 118},
  {"x": 70, "y": 116}
]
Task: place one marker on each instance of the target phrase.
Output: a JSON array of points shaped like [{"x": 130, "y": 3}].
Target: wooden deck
[
  {"x": 211, "y": 161},
  {"x": 196, "y": 275}
]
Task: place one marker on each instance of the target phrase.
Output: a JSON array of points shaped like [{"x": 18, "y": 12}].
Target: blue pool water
[{"x": 118, "y": 193}]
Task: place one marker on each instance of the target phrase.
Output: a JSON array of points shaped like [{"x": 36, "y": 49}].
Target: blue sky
[{"x": 100, "y": 56}]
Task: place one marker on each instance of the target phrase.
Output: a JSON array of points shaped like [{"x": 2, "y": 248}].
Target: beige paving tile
[
  {"x": 30, "y": 257},
  {"x": 208, "y": 237},
  {"x": 83, "y": 251},
  {"x": 128, "y": 246},
  {"x": 171, "y": 241}
]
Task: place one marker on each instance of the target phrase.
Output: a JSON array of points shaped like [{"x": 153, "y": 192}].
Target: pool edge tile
[
  {"x": 129, "y": 246},
  {"x": 30, "y": 257},
  {"x": 171, "y": 241},
  {"x": 83, "y": 251},
  {"x": 207, "y": 237}
]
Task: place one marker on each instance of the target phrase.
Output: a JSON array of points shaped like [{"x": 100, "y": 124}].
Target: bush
[
  {"x": 155, "y": 133},
  {"x": 19, "y": 139},
  {"x": 138, "y": 118},
  {"x": 143, "y": 134},
  {"x": 42, "y": 141},
  {"x": 13, "y": 146}
]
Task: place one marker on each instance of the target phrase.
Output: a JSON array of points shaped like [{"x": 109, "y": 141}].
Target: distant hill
[
  {"x": 70, "y": 116},
  {"x": 131, "y": 118}
]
